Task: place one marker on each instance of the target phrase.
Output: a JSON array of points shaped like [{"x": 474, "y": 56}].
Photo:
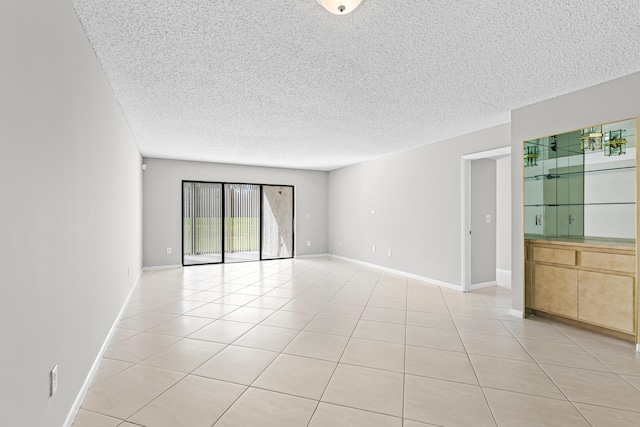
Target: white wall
[
  {"x": 503, "y": 221},
  {"x": 70, "y": 222},
  {"x": 564, "y": 113},
  {"x": 417, "y": 203},
  {"x": 162, "y": 203}
]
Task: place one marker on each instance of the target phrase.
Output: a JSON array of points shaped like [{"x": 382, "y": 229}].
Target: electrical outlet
[
  {"x": 308, "y": 242},
  {"x": 169, "y": 251},
  {"x": 308, "y": 216},
  {"x": 339, "y": 244},
  {"x": 487, "y": 219},
  {"x": 373, "y": 248},
  {"x": 373, "y": 211},
  {"x": 389, "y": 252},
  {"x": 53, "y": 380}
]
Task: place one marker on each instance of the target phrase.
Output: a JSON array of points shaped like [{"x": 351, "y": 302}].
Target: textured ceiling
[{"x": 286, "y": 83}]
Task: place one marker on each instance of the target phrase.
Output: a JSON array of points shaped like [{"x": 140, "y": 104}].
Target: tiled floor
[{"x": 324, "y": 342}]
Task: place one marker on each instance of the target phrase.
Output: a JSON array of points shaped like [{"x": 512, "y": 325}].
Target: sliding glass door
[
  {"x": 230, "y": 222},
  {"x": 242, "y": 222},
  {"x": 201, "y": 223}
]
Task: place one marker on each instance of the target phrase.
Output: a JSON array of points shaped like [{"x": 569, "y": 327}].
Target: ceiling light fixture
[{"x": 340, "y": 7}]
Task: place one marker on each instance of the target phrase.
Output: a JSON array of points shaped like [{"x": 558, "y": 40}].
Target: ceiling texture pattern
[{"x": 287, "y": 84}]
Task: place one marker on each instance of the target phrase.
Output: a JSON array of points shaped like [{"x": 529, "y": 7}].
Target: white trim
[
  {"x": 516, "y": 313},
  {"x": 484, "y": 285},
  {"x": 465, "y": 192},
  {"x": 96, "y": 363},
  {"x": 637, "y": 348},
  {"x": 503, "y": 277},
  {"x": 402, "y": 273},
  {"x": 312, "y": 256},
  {"x": 161, "y": 267}
]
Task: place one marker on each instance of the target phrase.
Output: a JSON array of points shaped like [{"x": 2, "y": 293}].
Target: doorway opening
[
  {"x": 473, "y": 216},
  {"x": 236, "y": 222}
]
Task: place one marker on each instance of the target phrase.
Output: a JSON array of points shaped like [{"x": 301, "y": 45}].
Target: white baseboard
[
  {"x": 312, "y": 256},
  {"x": 402, "y": 273},
  {"x": 516, "y": 313},
  {"x": 96, "y": 363},
  {"x": 637, "y": 348},
  {"x": 484, "y": 285},
  {"x": 503, "y": 277},
  {"x": 161, "y": 267}
]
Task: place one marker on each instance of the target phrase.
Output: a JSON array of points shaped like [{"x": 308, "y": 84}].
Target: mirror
[{"x": 582, "y": 183}]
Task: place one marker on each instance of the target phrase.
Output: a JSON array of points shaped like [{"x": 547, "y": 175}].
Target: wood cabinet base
[{"x": 573, "y": 322}]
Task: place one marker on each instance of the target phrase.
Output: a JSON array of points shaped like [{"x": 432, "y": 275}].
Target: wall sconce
[
  {"x": 340, "y": 7},
  {"x": 530, "y": 156},
  {"x": 591, "y": 138},
  {"x": 614, "y": 143}
]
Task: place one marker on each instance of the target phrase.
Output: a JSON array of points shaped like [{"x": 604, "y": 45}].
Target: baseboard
[
  {"x": 503, "y": 277},
  {"x": 484, "y": 285},
  {"x": 312, "y": 256},
  {"x": 637, "y": 348},
  {"x": 96, "y": 363},
  {"x": 161, "y": 267},
  {"x": 402, "y": 273},
  {"x": 516, "y": 313}
]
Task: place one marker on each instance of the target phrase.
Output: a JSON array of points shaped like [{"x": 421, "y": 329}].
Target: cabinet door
[
  {"x": 606, "y": 300},
  {"x": 556, "y": 290}
]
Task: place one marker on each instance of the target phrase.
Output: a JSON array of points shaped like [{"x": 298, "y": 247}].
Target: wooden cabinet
[{"x": 590, "y": 283}]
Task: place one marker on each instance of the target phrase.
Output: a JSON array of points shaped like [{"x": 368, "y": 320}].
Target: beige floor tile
[
  {"x": 259, "y": 291},
  {"x": 553, "y": 353},
  {"x": 494, "y": 345},
  {"x": 180, "y": 326},
  {"x": 342, "y": 310},
  {"x": 288, "y": 319},
  {"x": 263, "y": 408},
  {"x": 445, "y": 403},
  {"x": 236, "y": 299},
  {"x": 411, "y": 423},
  {"x": 124, "y": 394},
  {"x": 340, "y": 416},
  {"x": 296, "y": 375},
  {"x": 139, "y": 347},
  {"x": 387, "y": 302},
  {"x": 366, "y": 388},
  {"x": 599, "y": 416},
  {"x": 193, "y": 402},
  {"x": 374, "y": 354},
  {"x": 130, "y": 312},
  {"x": 427, "y": 306},
  {"x": 618, "y": 359},
  {"x": 240, "y": 365},
  {"x": 595, "y": 388},
  {"x": 213, "y": 310},
  {"x": 120, "y": 334},
  {"x": 514, "y": 375},
  {"x": 351, "y": 299},
  {"x": 482, "y": 312},
  {"x": 387, "y": 315},
  {"x": 481, "y": 326},
  {"x": 634, "y": 381},
  {"x": 304, "y": 306},
  {"x": 222, "y": 331},
  {"x": 184, "y": 355},
  {"x": 92, "y": 419},
  {"x": 430, "y": 320},
  {"x": 284, "y": 293},
  {"x": 465, "y": 299},
  {"x": 249, "y": 315},
  {"x": 516, "y": 409},
  {"x": 180, "y": 306},
  {"x": 108, "y": 368},
  {"x": 589, "y": 338},
  {"x": 442, "y": 364},
  {"x": 272, "y": 303},
  {"x": 319, "y": 346},
  {"x": 267, "y": 338},
  {"x": 443, "y": 339},
  {"x": 536, "y": 330},
  {"x": 332, "y": 325},
  {"x": 205, "y": 296},
  {"x": 389, "y": 332}
]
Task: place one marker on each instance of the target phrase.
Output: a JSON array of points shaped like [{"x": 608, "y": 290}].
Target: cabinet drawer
[
  {"x": 555, "y": 290},
  {"x": 614, "y": 262},
  {"x": 606, "y": 300},
  {"x": 555, "y": 256}
]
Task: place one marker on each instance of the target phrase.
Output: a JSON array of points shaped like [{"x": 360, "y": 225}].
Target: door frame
[{"x": 465, "y": 168}]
